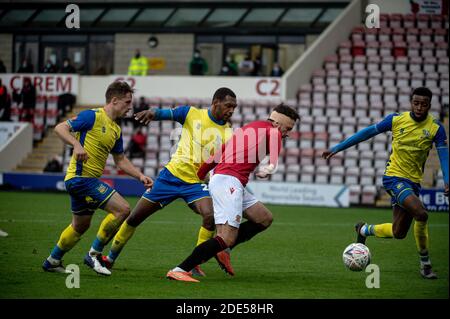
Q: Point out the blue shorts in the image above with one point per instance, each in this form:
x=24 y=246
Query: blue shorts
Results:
x=167 y=188
x=399 y=188
x=87 y=194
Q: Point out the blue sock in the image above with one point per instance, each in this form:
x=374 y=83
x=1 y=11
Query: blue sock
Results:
x=113 y=255
x=57 y=253
x=368 y=230
x=98 y=245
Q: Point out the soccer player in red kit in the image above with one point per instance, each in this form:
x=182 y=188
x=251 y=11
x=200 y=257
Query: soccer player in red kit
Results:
x=233 y=165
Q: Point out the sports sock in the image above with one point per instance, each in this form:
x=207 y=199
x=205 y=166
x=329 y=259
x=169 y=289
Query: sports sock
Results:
x=204 y=235
x=106 y=231
x=203 y=252
x=68 y=239
x=123 y=235
x=421 y=236
x=380 y=230
x=247 y=231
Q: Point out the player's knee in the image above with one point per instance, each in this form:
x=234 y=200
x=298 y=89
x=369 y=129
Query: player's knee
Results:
x=422 y=216
x=81 y=227
x=124 y=211
x=229 y=240
x=399 y=234
x=208 y=222
x=267 y=221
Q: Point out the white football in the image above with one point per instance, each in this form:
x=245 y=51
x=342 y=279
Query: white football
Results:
x=356 y=256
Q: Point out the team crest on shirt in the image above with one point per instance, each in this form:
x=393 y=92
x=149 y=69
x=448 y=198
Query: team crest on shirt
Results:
x=402 y=130
x=232 y=190
x=101 y=189
x=238 y=218
x=426 y=133
x=103 y=129
x=399 y=185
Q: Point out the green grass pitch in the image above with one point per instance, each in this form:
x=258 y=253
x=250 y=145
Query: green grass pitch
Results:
x=300 y=256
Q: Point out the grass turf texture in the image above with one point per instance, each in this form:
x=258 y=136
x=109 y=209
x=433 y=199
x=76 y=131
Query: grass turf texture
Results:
x=299 y=256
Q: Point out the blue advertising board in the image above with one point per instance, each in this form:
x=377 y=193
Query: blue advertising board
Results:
x=434 y=200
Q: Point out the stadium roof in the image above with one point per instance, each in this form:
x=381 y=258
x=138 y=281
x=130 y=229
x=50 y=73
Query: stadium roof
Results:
x=236 y=17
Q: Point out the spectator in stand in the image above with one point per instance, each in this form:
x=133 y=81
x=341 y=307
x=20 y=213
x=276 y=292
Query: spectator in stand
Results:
x=276 y=70
x=54 y=165
x=2 y=67
x=136 y=147
x=138 y=65
x=68 y=67
x=50 y=67
x=28 y=99
x=246 y=66
x=257 y=66
x=232 y=65
x=5 y=103
x=26 y=67
x=198 y=65
x=225 y=70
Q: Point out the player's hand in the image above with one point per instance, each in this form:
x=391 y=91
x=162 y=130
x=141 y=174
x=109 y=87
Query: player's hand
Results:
x=144 y=117
x=265 y=171
x=80 y=153
x=147 y=181
x=446 y=190
x=327 y=154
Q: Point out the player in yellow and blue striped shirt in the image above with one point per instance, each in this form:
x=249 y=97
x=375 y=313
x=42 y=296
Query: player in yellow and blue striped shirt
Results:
x=203 y=131
x=413 y=135
x=97 y=135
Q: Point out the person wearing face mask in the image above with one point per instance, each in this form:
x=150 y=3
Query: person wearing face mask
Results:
x=276 y=70
x=68 y=67
x=25 y=67
x=138 y=65
x=232 y=65
x=198 y=65
x=50 y=67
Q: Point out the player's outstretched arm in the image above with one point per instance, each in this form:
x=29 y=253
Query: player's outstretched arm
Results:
x=145 y=117
x=125 y=165
x=179 y=114
x=63 y=131
x=361 y=136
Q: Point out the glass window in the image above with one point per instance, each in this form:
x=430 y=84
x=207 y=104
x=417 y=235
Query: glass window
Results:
x=299 y=17
x=329 y=16
x=48 y=17
x=101 y=58
x=261 y=17
x=87 y=16
x=26 y=51
x=16 y=17
x=152 y=17
x=187 y=17
x=224 y=17
x=117 y=17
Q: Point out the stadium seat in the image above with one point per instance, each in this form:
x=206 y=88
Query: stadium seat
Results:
x=368 y=194
x=355 y=194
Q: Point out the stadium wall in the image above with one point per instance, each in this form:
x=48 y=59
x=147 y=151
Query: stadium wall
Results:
x=92 y=88
x=300 y=73
x=175 y=49
x=17 y=147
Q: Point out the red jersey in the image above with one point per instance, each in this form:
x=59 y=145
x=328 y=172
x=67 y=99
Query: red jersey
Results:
x=245 y=150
